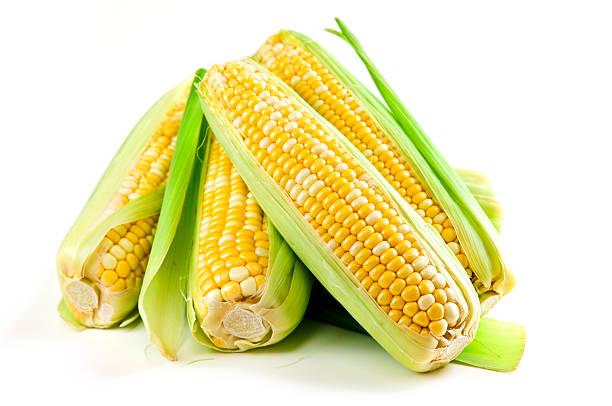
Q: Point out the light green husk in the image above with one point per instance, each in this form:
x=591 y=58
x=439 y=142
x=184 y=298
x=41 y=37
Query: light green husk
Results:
x=263 y=320
x=412 y=350
x=498 y=345
x=162 y=301
x=480 y=187
x=85 y=302
x=474 y=230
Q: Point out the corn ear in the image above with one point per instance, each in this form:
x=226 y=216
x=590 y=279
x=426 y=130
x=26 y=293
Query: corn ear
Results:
x=418 y=352
x=162 y=297
x=472 y=229
x=498 y=345
x=261 y=317
x=495 y=279
x=89 y=297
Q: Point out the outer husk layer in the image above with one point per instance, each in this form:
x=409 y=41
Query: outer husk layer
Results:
x=162 y=298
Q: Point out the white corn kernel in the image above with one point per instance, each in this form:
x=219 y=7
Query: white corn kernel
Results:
x=341 y=167
x=380 y=248
x=317 y=149
x=238 y=273
x=353 y=194
x=117 y=252
x=295 y=191
x=289 y=144
x=294 y=116
x=309 y=74
x=360 y=201
x=332 y=244
x=108 y=261
x=264 y=143
x=428 y=272
x=451 y=313
x=439 y=281
x=403 y=228
x=268 y=127
x=248 y=287
x=426 y=301
x=312 y=178
x=226 y=238
x=213 y=296
x=314 y=189
x=292 y=125
x=301 y=176
x=420 y=262
x=373 y=217
x=260 y=106
x=301 y=198
x=355 y=248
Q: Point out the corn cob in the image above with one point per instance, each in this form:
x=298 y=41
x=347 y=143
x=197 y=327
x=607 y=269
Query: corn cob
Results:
x=320 y=80
x=247 y=288
x=370 y=249
x=102 y=259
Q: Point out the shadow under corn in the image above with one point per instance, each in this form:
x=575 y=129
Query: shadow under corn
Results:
x=316 y=354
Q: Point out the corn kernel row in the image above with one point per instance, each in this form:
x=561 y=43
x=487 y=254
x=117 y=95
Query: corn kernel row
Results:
x=233 y=240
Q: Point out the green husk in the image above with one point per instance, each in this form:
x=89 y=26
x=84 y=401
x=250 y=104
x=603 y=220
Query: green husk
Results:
x=498 y=345
x=412 y=350
x=476 y=232
x=90 y=304
x=478 y=241
x=480 y=187
x=161 y=302
x=272 y=314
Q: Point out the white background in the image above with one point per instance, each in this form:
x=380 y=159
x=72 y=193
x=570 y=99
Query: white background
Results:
x=519 y=90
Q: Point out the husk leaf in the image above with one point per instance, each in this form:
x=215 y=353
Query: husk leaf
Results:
x=161 y=302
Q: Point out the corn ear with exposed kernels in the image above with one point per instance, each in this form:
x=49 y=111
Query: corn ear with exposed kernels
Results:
x=247 y=288
x=356 y=234
x=102 y=260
